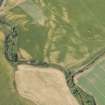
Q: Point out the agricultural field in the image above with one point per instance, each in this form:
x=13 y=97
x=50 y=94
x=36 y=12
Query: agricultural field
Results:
x=66 y=33
x=42 y=81
x=59 y=32
x=8 y=95
x=93 y=82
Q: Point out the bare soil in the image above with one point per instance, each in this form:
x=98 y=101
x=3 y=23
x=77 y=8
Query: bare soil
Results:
x=43 y=86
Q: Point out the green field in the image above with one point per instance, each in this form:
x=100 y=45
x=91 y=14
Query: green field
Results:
x=94 y=82
x=63 y=32
x=8 y=95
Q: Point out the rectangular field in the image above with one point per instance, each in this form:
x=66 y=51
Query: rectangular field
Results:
x=94 y=82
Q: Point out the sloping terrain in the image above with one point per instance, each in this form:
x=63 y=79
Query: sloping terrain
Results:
x=62 y=32
x=65 y=33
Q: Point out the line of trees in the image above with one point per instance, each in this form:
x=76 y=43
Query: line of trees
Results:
x=10 y=45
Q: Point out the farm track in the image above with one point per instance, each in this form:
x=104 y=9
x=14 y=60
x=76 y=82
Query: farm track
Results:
x=90 y=63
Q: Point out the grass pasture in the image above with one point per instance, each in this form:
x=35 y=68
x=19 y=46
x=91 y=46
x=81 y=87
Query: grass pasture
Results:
x=93 y=82
x=63 y=32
